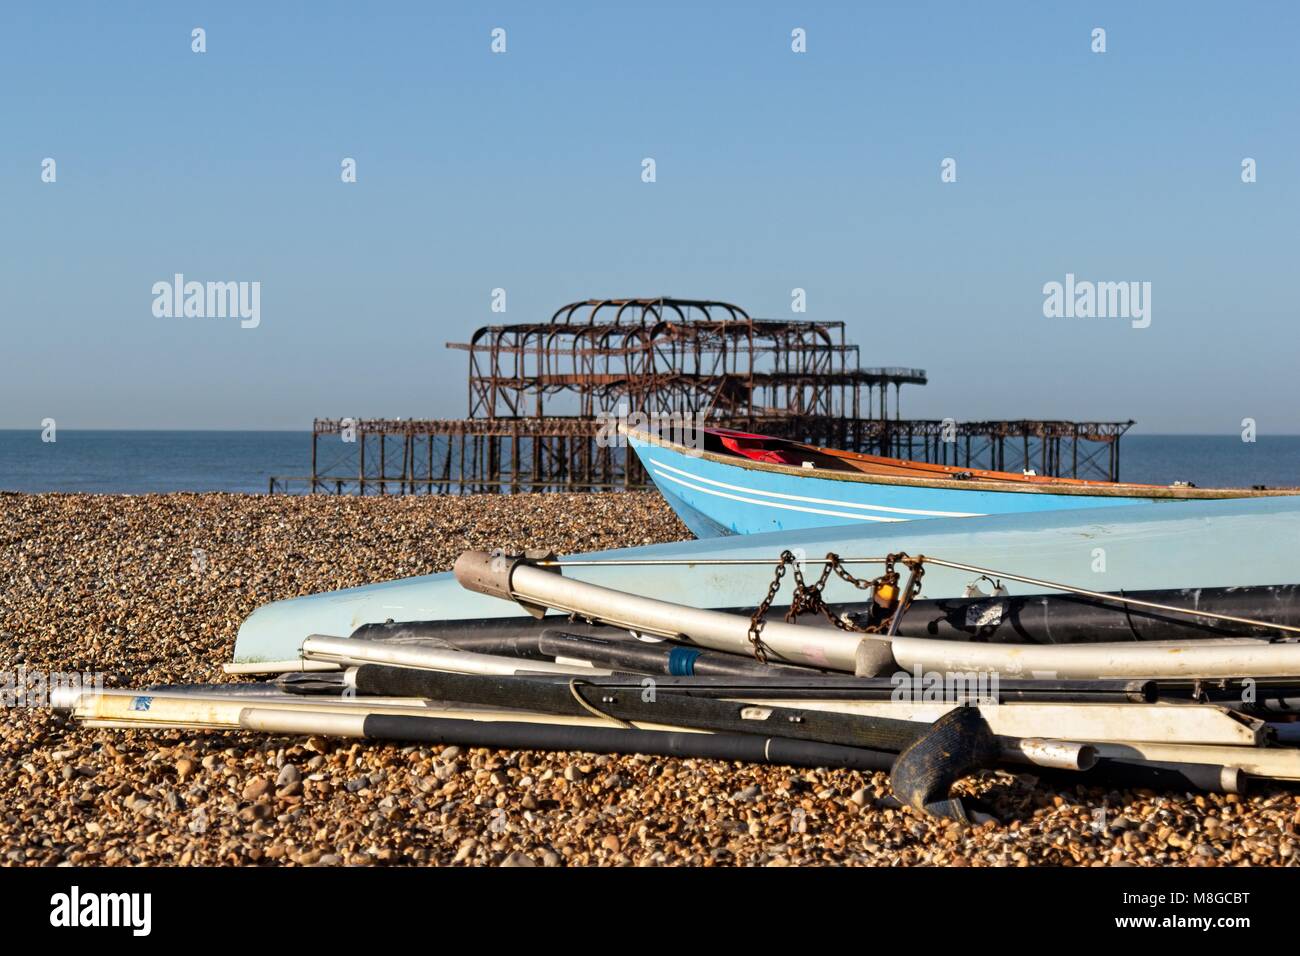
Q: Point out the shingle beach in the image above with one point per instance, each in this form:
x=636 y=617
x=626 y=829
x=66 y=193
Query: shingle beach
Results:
x=152 y=589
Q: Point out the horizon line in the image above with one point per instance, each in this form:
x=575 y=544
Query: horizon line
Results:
x=308 y=431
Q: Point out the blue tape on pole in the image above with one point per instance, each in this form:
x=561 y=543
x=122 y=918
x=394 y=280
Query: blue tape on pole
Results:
x=681 y=661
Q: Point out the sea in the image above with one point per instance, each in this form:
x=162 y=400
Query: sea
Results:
x=142 y=462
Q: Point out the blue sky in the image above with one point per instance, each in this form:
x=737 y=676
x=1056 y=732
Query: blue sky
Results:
x=775 y=170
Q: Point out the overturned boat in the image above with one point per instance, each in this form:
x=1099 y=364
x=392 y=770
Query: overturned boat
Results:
x=1205 y=544
x=739 y=483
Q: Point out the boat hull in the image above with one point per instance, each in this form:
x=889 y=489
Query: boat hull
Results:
x=715 y=497
x=1197 y=544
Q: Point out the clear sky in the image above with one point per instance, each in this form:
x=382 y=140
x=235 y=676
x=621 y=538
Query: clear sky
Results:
x=775 y=170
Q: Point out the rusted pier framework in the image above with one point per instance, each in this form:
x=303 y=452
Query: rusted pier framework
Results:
x=665 y=356
x=541 y=396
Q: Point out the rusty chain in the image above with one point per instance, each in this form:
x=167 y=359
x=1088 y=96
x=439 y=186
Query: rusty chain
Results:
x=759 y=617
x=807 y=598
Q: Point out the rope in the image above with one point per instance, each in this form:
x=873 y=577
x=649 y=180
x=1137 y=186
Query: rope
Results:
x=837 y=563
x=591 y=708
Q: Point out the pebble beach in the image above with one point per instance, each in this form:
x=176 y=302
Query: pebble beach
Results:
x=152 y=588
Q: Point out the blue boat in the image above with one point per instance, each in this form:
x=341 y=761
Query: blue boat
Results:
x=737 y=483
x=1142 y=547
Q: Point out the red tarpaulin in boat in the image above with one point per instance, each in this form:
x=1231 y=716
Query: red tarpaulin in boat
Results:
x=754 y=448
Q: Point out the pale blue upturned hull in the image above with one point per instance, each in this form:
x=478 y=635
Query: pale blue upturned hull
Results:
x=717 y=497
x=1193 y=544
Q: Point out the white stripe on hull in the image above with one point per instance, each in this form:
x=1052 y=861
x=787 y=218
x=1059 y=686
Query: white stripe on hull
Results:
x=772 y=504
x=815 y=501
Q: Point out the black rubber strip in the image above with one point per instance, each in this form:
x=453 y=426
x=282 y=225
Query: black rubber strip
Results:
x=509 y=735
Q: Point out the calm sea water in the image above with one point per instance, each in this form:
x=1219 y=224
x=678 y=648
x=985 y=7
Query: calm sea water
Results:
x=154 y=461
x=159 y=461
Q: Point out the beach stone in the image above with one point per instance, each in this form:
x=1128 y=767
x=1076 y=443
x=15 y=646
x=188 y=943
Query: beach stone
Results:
x=288 y=774
x=256 y=788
